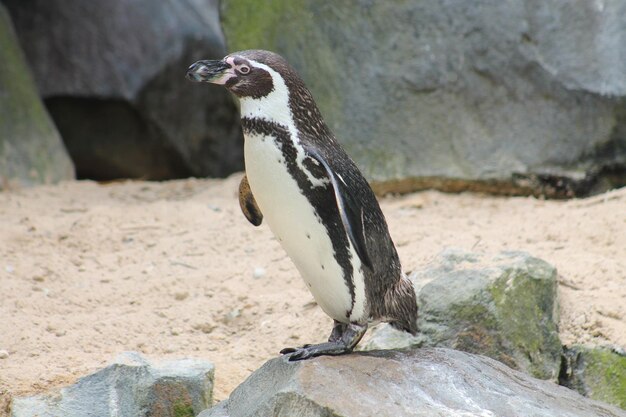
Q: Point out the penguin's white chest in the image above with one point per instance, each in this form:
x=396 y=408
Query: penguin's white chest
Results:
x=301 y=233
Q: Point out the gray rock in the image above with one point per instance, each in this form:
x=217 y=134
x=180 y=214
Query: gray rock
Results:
x=508 y=96
x=426 y=382
x=31 y=150
x=504 y=307
x=130 y=387
x=113 y=78
x=596 y=372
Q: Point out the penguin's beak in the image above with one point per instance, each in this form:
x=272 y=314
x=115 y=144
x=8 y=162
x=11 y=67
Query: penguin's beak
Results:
x=216 y=72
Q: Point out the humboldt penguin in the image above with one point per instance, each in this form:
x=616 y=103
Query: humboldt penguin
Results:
x=301 y=182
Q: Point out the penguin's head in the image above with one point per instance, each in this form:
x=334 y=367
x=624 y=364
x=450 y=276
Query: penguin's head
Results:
x=245 y=73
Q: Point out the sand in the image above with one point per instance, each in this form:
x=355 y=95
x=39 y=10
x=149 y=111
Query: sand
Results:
x=174 y=270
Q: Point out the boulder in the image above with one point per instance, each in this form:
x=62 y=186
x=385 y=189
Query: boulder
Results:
x=596 y=372
x=501 y=306
x=129 y=387
x=424 y=382
x=512 y=97
x=113 y=78
x=31 y=149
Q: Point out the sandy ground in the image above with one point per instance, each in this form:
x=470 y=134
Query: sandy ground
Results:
x=174 y=270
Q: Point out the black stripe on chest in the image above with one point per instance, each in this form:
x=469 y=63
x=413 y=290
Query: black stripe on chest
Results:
x=322 y=197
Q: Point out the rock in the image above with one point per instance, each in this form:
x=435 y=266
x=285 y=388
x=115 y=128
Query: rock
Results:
x=598 y=373
x=31 y=150
x=424 y=382
x=130 y=387
x=512 y=97
x=258 y=272
x=503 y=307
x=113 y=78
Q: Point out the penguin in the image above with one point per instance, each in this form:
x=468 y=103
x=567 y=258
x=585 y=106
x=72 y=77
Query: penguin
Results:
x=300 y=181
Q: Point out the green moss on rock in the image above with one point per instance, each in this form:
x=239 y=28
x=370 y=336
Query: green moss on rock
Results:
x=606 y=376
x=251 y=24
x=183 y=409
x=596 y=372
x=524 y=297
x=31 y=150
x=298 y=31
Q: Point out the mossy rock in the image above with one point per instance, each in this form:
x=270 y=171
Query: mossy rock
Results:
x=31 y=149
x=130 y=386
x=504 y=307
x=596 y=372
x=469 y=95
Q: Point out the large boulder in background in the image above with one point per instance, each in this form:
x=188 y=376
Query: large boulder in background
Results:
x=504 y=96
x=503 y=306
x=426 y=382
x=113 y=77
x=31 y=150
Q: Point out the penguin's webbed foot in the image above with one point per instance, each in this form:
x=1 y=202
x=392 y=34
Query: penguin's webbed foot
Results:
x=311 y=351
x=343 y=339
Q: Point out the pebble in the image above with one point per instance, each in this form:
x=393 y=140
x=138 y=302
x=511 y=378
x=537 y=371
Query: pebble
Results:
x=258 y=272
x=4 y=354
x=230 y=316
x=180 y=296
x=214 y=207
x=205 y=327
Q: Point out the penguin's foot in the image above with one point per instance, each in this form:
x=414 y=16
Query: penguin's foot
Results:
x=342 y=340
x=311 y=351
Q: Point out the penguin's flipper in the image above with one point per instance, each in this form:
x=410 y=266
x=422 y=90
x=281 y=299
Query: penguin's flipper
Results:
x=248 y=203
x=350 y=209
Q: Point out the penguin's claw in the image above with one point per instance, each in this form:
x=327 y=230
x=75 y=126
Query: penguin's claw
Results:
x=299 y=354
x=292 y=350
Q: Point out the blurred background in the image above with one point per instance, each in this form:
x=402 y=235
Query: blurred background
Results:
x=503 y=96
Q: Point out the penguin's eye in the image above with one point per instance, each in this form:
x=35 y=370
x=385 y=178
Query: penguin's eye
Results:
x=244 y=69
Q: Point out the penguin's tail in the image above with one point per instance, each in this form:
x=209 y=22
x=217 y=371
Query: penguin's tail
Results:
x=401 y=306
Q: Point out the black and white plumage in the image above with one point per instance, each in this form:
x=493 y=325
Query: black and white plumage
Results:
x=301 y=182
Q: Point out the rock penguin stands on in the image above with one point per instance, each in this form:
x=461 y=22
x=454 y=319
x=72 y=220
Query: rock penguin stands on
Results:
x=314 y=199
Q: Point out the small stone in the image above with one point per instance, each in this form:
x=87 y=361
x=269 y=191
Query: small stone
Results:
x=258 y=273
x=9 y=268
x=205 y=327
x=4 y=354
x=232 y=315
x=180 y=296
